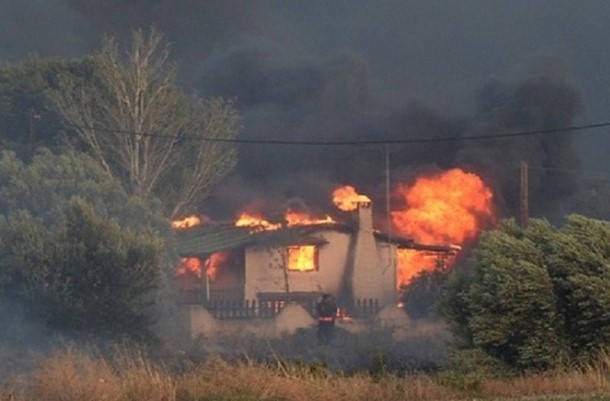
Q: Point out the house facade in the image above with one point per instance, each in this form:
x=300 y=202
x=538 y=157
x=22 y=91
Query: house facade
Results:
x=263 y=270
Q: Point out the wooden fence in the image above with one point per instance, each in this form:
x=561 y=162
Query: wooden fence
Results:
x=266 y=309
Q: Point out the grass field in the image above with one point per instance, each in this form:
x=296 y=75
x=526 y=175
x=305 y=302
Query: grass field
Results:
x=74 y=375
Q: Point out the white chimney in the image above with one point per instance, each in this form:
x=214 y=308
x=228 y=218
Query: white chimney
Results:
x=367 y=271
x=365 y=215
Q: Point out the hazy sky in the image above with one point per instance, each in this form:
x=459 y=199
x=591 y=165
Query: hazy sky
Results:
x=310 y=69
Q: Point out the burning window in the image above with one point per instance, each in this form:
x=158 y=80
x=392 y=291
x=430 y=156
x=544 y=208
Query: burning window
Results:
x=303 y=258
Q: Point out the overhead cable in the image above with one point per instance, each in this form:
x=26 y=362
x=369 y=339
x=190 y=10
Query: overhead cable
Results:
x=479 y=137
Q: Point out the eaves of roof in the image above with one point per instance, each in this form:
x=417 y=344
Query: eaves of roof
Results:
x=203 y=240
x=407 y=243
x=206 y=239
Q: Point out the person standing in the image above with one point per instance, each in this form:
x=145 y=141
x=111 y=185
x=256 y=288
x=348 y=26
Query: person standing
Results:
x=326 y=310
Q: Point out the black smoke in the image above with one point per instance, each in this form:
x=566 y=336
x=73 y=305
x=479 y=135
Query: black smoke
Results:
x=344 y=71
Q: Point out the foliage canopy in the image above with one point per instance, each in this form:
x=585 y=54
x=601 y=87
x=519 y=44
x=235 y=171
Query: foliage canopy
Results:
x=67 y=256
x=535 y=297
x=131 y=117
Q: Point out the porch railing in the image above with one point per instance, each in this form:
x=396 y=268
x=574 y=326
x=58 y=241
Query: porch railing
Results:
x=228 y=308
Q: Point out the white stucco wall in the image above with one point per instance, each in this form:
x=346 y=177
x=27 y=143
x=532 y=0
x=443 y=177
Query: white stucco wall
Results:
x=265 y=268
x=374 y=269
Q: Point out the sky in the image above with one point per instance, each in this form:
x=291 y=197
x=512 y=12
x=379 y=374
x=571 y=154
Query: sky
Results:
x=355 y=69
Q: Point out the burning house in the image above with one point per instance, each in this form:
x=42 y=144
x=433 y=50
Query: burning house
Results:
x=253 y=268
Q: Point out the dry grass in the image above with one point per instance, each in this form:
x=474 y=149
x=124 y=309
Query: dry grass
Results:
x=298 y=383
x=82 y=376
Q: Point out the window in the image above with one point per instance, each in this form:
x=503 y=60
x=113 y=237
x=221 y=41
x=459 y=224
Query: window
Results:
x=303 y=258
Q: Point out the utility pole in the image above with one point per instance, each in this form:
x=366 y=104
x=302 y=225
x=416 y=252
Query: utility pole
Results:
x=524 y=196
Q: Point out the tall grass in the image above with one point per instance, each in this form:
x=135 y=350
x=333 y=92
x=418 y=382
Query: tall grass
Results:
x=76 y=375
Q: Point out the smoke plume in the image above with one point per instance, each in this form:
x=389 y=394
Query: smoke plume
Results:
x=320 y=71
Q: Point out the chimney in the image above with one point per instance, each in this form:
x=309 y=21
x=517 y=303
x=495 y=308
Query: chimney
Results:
x=367 y=271
x=365 y=214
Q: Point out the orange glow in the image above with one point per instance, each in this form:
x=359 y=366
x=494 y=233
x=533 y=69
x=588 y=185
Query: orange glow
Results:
x=291 y=217
x=214 y=262
x=294 y=218
x=346 y=198
x=447 y=208
x=190 y=266
x=194 y=266
x=188 y=221
x=411 y=262
x=302 y=258
x=256 y=222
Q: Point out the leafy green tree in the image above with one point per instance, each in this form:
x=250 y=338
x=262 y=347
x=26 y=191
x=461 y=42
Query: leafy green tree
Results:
x=87 y=275
x=28 y=118
x=536 y=296
x=421 y=296
x=512 y=304
x=133 y=119
x=77 y=252
x=579 y=264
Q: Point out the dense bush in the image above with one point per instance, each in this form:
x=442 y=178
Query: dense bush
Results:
x=421 y=296
x=77 y=254
x=535 y=297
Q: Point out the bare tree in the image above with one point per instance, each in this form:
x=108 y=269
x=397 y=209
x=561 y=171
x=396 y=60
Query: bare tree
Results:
x=134 y=120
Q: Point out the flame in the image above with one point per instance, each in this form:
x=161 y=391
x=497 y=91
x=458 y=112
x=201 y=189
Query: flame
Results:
x=346 y=198
x=411 y=262
x=194 y=266
x=448 y=208
x=190 y=266
x=291 y=217
x=294 y=218
x=302 y=258
x=258 y=223
x=214 y=262
x=188 y=221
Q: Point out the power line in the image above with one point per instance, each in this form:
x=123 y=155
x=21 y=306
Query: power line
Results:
x=505 y=135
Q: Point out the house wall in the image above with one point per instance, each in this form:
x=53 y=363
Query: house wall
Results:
x=364 y=263
x=265 y=268
x=380 y=282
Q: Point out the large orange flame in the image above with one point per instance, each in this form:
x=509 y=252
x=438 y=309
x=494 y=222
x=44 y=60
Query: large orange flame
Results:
x=447 y=208
x=346 y=198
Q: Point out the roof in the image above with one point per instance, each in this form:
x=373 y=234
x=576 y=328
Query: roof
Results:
x=206 y=239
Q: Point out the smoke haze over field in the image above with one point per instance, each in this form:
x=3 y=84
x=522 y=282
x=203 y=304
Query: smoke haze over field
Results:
x=358 y=70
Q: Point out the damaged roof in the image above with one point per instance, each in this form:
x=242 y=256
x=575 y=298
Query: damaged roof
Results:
x=200 y=241
x=206 y=239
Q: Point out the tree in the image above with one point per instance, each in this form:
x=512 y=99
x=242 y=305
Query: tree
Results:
x=421 y=296
x=134 y=120
x=512 y=303
x=28 y=119
x=579 y=264
x=68 y=257
x=536 y=296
